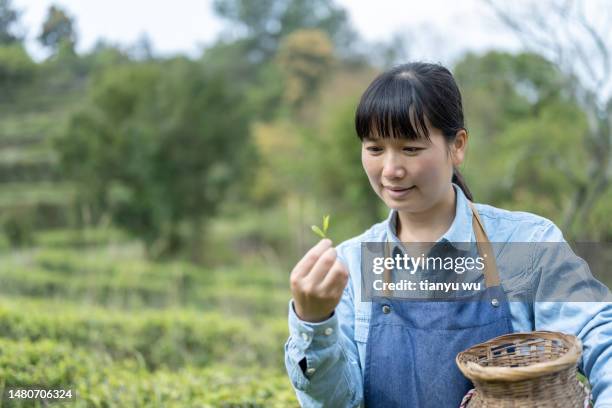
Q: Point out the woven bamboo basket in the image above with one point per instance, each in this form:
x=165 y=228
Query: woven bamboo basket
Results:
x=534 y=369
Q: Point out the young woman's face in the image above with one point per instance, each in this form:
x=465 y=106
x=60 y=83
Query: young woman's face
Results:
x=410 y=176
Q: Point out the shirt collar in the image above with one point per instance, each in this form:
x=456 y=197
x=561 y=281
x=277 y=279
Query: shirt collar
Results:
x=460 y=230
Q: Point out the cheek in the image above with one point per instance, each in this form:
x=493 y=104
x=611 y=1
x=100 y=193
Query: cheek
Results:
x=368 y=165
x=371 y=168
x=431 y=169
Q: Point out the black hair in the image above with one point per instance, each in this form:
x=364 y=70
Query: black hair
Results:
x=400 y=101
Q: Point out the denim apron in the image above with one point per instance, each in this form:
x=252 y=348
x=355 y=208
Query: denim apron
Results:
x=412 y=345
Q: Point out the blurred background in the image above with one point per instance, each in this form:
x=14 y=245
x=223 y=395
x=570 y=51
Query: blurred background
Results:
x=161 y=166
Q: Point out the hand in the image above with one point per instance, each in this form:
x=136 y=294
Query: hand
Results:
x=317 y=283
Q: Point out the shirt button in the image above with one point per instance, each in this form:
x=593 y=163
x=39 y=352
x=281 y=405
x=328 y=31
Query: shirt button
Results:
x=495 y=302
x=386 y=309
x=305 y=336
x=328 y=331
x=311 y=371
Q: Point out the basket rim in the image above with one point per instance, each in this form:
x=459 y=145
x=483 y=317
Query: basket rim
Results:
x=476 y=372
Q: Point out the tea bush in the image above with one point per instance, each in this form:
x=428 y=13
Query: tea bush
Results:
x=96 y=380
x=122 y=331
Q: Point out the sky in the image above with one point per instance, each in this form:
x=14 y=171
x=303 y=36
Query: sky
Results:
x=186 y=26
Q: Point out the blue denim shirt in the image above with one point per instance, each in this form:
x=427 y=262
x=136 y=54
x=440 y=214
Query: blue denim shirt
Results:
x=334 y=349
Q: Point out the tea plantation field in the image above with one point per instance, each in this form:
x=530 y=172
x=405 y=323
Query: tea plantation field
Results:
x=91 y=314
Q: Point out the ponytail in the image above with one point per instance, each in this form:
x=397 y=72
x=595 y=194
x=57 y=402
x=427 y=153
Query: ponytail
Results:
x=460 y=181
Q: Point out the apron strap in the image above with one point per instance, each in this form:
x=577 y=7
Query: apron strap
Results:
x=484 y=249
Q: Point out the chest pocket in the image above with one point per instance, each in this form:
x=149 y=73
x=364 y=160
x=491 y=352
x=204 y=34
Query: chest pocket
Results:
x=517 y=273
x=362 y=327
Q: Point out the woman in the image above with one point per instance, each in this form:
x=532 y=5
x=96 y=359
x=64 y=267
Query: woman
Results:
x=344 y=350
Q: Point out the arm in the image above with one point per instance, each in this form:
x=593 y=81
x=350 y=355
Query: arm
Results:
x=569 y=299
x=331 y=376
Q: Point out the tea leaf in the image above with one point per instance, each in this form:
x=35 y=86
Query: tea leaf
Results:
x=325 y=223
x=318 y=231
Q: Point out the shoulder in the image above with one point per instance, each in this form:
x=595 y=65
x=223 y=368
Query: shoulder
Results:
x=519 y=226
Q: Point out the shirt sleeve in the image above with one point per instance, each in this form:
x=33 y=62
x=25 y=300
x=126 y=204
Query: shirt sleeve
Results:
x=332 y=376
x=586 y=311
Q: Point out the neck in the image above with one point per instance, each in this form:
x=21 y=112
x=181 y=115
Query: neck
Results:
x=429 y=225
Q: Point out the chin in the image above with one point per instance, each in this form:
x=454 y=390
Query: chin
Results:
x=394 y=205
x=407 y=207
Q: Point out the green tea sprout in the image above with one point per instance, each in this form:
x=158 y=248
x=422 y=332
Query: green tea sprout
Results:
x=318 y=231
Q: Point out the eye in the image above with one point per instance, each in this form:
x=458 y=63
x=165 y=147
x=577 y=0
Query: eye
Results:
x=412 y=150
x=374 y=149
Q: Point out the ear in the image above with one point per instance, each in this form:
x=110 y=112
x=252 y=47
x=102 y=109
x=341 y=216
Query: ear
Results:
x=458 y=147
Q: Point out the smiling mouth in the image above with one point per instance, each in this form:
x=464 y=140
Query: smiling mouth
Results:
x=399 y=189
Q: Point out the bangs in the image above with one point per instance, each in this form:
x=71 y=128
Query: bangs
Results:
x=391 y=108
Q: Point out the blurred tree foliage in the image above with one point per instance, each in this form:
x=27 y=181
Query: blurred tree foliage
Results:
x=576 y=42
x=9 y=18
x=126 y=150
x=281 y=52
x=529 y=136
x=104 y=56
x=340 y=172
x=58 y=31
x=305 y=57
x=157 y=148
x=263 y=24
x=16 y=66
x=258 y=135
x=249 y=50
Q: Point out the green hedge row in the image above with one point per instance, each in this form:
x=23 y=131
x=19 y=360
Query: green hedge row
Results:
x=167 y=338
x=99 y=381
x=120 y=279
x=123 y=331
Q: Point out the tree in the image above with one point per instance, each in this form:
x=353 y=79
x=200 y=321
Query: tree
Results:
x=258 y=28
x=142 y=50
x=8 y=20
x=158 y=148
x=104 y=55
x=263 y=24
x=576 y=40
x=58 y=31
x=305 y=57
x=339 y=172
x=16 y=67
x=529 y=134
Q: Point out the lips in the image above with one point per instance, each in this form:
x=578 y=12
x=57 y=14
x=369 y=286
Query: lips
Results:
x=392 y=188
x=398 y=193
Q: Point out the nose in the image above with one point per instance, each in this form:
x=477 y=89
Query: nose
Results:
x=393 y=167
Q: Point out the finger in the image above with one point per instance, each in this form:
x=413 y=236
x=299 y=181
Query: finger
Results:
x=310 y=258
x=322 y=266
x=336 y=279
